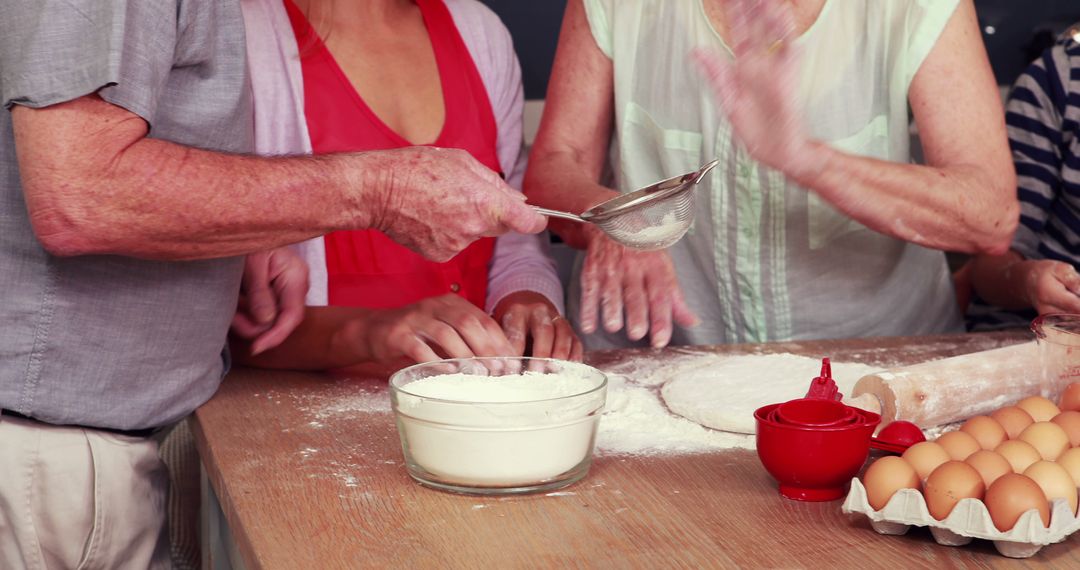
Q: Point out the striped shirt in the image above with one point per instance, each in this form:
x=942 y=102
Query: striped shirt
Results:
x=1043 y=118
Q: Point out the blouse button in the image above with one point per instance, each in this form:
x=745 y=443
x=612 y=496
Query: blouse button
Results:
x=454 y=287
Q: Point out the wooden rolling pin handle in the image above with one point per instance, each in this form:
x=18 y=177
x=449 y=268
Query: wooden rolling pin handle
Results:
x=868 y=402
x=953 y=389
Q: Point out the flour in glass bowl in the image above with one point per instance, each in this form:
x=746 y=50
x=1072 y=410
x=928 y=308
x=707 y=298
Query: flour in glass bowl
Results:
x=526 y=387
x=515 y=430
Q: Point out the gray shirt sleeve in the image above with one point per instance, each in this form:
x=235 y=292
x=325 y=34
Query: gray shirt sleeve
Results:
x=56 y=51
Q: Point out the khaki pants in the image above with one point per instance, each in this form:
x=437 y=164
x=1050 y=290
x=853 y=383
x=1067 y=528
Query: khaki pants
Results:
x=79 y=498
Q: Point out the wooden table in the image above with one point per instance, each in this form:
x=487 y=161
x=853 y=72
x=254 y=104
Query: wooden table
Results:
x=309 y=476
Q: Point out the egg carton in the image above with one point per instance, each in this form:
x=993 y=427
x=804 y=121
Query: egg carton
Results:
x=968 y=520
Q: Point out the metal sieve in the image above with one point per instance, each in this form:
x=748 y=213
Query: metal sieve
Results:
x=654 y=217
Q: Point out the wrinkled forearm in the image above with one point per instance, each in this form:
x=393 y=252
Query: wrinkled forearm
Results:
x=95 y=184
x=571 y=145
x=957 y=208
x=164 y=201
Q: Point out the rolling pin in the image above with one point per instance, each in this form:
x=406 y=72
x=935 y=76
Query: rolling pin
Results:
x=953 y=389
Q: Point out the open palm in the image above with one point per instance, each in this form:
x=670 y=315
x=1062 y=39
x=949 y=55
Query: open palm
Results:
x=754 y=90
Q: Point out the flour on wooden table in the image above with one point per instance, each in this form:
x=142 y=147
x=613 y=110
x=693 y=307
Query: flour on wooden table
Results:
x=722 y=392
x=635 y=422
x=358 y=401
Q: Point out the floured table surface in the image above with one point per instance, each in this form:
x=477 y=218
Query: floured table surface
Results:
x=309 y=473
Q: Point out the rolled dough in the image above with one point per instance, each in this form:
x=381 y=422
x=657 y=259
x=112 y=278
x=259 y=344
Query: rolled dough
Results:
x=722 y=392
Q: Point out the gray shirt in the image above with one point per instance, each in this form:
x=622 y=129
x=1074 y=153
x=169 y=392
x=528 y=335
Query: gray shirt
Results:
x=111 y=341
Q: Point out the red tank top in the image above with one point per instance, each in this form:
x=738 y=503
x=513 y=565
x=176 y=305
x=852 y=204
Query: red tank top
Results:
x=366 y=268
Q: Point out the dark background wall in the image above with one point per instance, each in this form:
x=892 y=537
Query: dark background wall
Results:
x=1014 y=30
x=535 y=27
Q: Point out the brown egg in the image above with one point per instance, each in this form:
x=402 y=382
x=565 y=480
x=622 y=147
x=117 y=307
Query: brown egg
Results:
x=985 y=430
x=1019 y=454
x=959 y=445
x=885 y=477
x=1013 y=495
x=1040 y=409
x=1047 y=438
x=1054 y=480
x=989 y=464
x=1070 y=398
x=948 y=484
x=925 y=456
x=1070 y=460
x=1070 y=422
x=1013 y=419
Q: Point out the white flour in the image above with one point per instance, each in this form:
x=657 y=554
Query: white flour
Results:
x=527 y=387
x=635 y=420
x=660 y=233
x=514 y=430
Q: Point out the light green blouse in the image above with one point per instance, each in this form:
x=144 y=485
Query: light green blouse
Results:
x=766 y=260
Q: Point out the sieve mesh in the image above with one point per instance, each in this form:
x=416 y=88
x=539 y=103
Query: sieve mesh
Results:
x=655 y=225
x=654 y=217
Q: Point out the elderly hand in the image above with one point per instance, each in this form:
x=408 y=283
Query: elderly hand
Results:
x=271 y=303
x=527 y=316
x=438 y=201
x=755 y=89
x=1051 y=286
x=431 y=329
x=642 y=283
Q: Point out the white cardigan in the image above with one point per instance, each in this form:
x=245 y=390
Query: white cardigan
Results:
x=520 y=262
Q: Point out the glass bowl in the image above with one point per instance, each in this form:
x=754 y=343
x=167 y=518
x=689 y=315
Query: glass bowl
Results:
x=509 y=425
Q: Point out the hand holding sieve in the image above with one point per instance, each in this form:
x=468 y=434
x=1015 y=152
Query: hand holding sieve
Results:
x=654 y=217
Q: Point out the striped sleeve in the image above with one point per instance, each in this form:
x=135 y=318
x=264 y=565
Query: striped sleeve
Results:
x=1035 y=115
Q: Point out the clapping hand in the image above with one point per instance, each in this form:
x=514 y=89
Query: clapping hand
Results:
x=755 y=89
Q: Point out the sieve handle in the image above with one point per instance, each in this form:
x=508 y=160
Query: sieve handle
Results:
x=558 y=214
x=704 y=170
